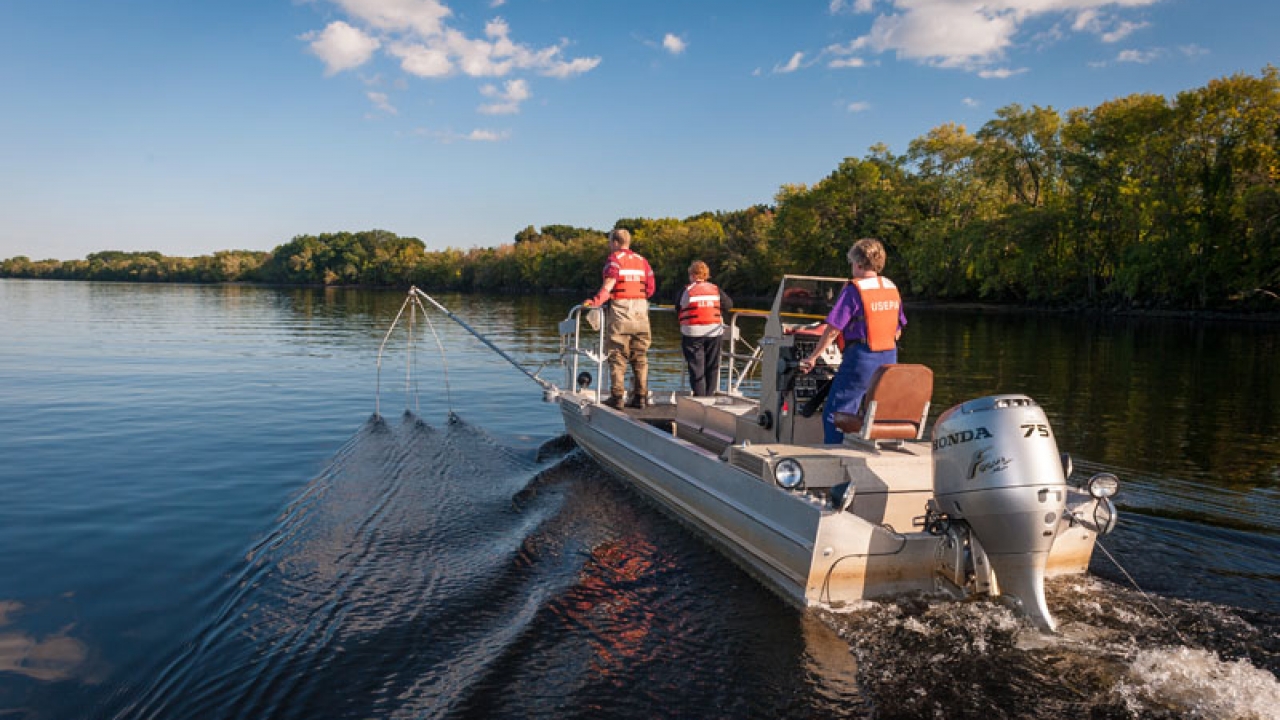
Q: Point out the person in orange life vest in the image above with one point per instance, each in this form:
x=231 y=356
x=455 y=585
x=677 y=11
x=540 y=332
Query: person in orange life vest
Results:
x=869 y=314
x=628 y=285
x=701 y=310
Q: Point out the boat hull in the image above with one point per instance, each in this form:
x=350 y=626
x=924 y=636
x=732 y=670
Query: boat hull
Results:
x=799 y=545
x=739 y=514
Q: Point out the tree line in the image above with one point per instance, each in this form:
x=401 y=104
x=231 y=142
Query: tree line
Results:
x=1141 y=201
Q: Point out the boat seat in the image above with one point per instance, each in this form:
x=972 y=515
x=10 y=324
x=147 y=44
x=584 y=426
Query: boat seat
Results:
x=896 y=405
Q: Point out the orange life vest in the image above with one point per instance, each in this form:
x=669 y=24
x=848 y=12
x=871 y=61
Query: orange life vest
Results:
x=880 y=306
x=632 y=270
x=704 y=305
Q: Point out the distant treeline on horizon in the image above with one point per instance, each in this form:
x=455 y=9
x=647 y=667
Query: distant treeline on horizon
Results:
x=1141 y=201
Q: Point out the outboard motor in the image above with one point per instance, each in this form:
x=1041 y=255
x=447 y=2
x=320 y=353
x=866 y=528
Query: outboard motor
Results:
x=996 y=467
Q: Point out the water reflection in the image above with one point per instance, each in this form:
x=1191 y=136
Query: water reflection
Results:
x=48 y=658
x=1194 y=400
x=616 y=620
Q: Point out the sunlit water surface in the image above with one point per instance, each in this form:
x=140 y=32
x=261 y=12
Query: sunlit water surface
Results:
x=203 y=517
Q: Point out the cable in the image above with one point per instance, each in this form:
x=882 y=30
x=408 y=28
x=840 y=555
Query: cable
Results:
x=1142 y=592
x=825 y=591
x=444 y=360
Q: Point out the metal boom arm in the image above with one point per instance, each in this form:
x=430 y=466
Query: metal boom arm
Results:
x=544 y=384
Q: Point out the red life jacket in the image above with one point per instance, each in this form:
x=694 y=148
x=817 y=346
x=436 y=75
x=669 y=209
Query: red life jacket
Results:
x=704 y=305
x=880 y=306
x=632 y=270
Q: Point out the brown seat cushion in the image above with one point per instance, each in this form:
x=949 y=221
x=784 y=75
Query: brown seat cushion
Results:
x=900 y=392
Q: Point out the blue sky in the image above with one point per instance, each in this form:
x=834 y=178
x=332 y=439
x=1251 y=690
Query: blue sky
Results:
x=190 y=126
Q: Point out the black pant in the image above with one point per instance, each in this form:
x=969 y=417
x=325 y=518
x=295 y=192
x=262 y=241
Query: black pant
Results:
x=703 y=356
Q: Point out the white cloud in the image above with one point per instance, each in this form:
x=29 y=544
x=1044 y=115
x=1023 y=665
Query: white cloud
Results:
x=1192 y=50
x=1108 y=28
x=950 y=35
x=673 y=44
x=341 y=47
x=421 y=17
x=422 y=61
x=975 y=35
x=835 y=7
x=450 y=136
x=1121 y=31
x=497 y=3
x=857 y=107
x=381 y=102
x=1141 y=57
x=847 y=56
x=849 y=62
x=416 y=33
x=1086 y=21
x=479 y=135
x=507 y=99
x=970 y=102
x=1000 y=73
x=792 y=65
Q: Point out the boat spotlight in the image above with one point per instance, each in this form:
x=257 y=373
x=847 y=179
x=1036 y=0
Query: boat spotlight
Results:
x=1103 y=485
x=584 y=380
x=788 y=474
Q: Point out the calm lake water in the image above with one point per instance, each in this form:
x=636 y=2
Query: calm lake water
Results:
x=201 y=517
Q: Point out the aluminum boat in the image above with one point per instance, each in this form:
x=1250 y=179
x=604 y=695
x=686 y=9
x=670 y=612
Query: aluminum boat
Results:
x=975 y=504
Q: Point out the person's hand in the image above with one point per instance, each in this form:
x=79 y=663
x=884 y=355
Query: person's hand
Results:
x=586 y=303
x=806 y=365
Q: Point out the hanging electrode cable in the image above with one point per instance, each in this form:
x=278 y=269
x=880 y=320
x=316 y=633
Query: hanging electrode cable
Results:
x=408 y=362
x=1142 y=592
x=414 y=304
x=444 y=359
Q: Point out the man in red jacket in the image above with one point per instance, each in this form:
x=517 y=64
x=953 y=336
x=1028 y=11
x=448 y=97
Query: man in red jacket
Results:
x=628 y=285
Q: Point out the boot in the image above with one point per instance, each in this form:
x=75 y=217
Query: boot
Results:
x=640 y=386
x=614 y=401
x=639 y=399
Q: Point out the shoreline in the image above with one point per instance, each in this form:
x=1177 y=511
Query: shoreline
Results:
x=1251 y=316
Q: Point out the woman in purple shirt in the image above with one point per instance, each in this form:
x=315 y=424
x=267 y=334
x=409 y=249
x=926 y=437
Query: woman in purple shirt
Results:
x=867 y=297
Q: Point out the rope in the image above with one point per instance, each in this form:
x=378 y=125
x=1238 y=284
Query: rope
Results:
x=410 y=384
x=377 y=392
x=444 y=361
x=409 y=388
x=1142 y=592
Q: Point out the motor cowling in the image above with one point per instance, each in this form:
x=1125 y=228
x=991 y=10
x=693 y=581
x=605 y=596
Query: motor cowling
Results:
x=996 y=467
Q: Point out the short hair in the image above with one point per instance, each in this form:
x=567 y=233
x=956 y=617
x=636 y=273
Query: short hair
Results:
x=698 y=270
x=621 y=235
x=869 y=253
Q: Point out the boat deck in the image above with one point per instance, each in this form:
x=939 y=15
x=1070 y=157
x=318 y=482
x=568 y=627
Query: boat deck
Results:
x=662 y=414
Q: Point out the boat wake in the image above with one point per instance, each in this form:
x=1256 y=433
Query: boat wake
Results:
x=443 y=572
x=1118 y=654
x=387 y=587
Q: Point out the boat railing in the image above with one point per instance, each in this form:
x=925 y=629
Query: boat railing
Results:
x=577 y=358
x=740 y=359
